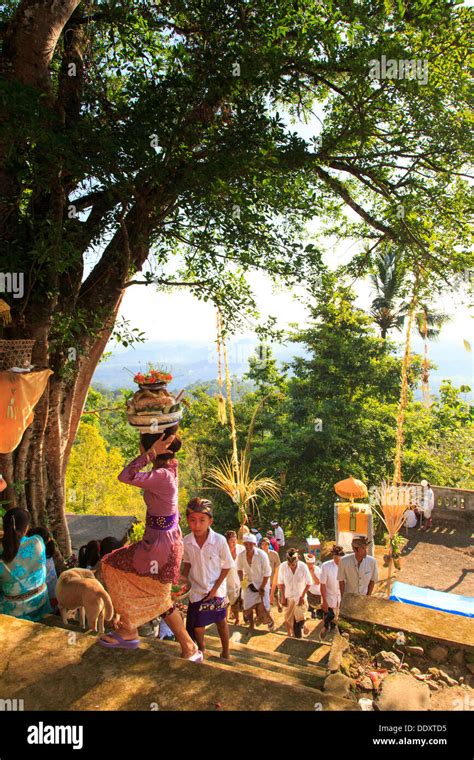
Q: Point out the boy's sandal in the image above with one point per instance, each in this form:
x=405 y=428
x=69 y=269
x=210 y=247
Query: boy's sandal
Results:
x=119 y=643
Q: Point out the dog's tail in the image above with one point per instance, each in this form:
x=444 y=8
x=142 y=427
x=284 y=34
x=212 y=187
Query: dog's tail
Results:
x=108 y=606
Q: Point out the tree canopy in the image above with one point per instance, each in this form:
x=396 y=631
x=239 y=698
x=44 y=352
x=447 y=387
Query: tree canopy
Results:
x=185 y=143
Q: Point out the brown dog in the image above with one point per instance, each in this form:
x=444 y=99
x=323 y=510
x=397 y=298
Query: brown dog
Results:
x=78 y=589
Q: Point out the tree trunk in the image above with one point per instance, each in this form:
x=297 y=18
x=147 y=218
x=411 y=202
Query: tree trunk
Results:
x=38 y=466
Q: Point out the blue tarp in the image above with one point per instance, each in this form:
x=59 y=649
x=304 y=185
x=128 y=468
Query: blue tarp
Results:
x=435 y=600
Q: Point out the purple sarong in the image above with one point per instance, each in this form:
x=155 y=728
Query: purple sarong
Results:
x=203 y=613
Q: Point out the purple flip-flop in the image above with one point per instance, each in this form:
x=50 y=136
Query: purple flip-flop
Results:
x=120 y=643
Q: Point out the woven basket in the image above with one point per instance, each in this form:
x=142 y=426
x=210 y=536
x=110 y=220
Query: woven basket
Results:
x=15 y=353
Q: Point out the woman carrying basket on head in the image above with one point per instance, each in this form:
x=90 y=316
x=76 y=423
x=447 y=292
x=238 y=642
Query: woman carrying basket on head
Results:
x=139 y=577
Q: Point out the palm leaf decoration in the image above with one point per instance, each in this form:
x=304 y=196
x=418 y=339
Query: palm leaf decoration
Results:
x=243 y=488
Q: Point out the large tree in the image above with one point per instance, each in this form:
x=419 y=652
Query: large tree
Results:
x=136 y=134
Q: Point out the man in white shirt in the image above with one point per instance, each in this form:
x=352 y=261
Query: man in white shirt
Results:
x=294 y=580
x=330 y=591
x=207 y=561
x=257 y=535
x=254 y=564
x=428 y=506
x=279 y=534
x=314 y=591
x=358 y=573
x=275 y=563
x=234 y=587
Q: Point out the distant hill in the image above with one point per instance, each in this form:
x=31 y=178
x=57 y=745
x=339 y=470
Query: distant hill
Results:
x=192 y=363
x=189 y=363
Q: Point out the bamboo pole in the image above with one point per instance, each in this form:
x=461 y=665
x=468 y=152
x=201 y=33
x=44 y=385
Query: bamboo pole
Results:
x=397 y=474
x=233 y=431
x=389 y=577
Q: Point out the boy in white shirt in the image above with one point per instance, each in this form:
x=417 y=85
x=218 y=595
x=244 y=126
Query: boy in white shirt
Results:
x=428 y=506
x=207 y=561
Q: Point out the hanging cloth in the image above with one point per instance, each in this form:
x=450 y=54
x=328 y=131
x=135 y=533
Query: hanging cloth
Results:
x=349 y=520
x=19 y=394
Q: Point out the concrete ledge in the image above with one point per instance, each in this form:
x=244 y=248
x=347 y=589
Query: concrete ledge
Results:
x=453 y=630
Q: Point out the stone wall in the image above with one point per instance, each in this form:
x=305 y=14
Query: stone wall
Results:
x=452 y=502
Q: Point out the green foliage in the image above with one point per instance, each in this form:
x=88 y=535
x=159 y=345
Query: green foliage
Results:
x=137 y=532
x=440 y=443
x=349 y=381
x=91 y=478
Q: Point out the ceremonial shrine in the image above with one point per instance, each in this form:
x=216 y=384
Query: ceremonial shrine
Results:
x=352 y=519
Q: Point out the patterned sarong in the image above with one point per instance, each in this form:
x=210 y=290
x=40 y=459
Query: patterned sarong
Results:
x=137 y=598
x=203 y=613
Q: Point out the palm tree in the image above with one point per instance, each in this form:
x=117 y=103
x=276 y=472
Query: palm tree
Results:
x=429 y=324
x=387 y=309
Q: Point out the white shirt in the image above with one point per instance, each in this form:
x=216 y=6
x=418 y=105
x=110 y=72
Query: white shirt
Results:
x=257 y=570
x=315 y=588
x=280 y=536
x=206 y=564
x=428 y=502
x=328 y=577
x=357 y=577
x=410 y=518
x=233 y=580
x=294 y=582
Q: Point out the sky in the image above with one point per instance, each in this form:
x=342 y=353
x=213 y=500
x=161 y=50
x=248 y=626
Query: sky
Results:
x=195 y=321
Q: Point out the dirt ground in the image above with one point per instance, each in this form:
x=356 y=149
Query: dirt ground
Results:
x=441 y=558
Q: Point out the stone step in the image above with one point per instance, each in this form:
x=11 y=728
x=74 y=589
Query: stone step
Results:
x=263 y=643
x=275 y=668
x=307 y=650
x=311 y=671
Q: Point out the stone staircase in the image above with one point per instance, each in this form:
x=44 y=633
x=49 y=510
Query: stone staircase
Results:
x=262 y=655
x=57 y=667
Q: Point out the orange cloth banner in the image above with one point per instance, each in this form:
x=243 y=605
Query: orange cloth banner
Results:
x=19 y=394
x=352 y=521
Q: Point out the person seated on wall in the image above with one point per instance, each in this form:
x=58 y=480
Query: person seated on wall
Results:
x=411 y=520
x=51 y=574
x=23 y=588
